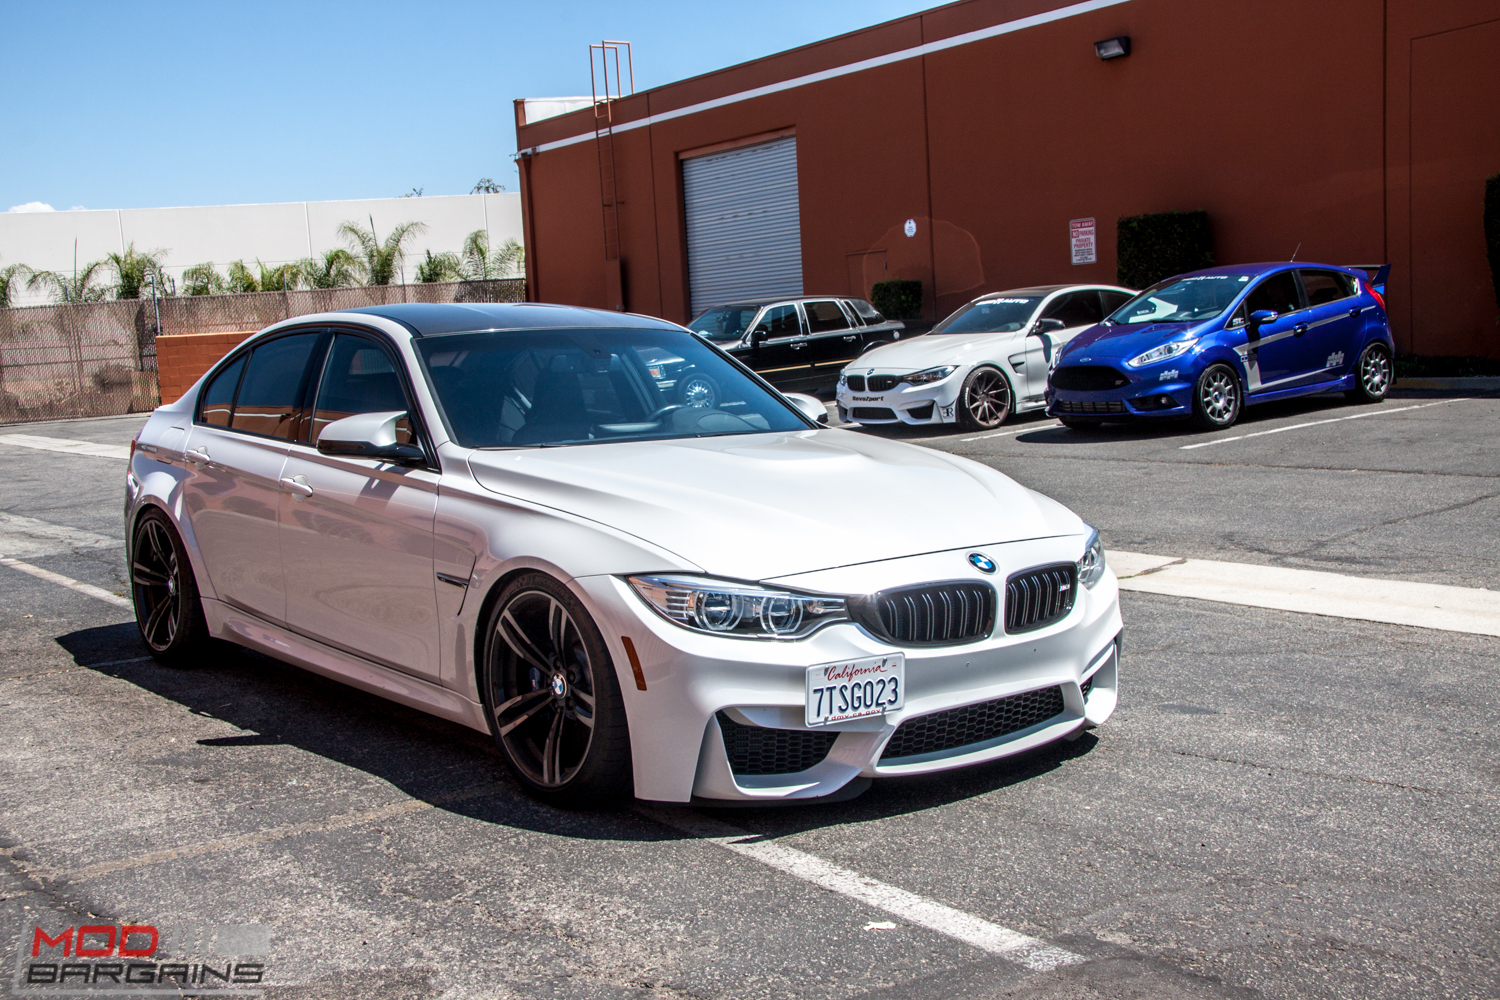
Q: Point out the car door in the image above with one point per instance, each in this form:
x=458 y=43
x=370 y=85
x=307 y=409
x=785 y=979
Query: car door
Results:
x=1276 y=359
x=247 y=416
x=834 y=337
x=1076 y=311
x=356 y=533
x=1333 y=322
x=778 y=347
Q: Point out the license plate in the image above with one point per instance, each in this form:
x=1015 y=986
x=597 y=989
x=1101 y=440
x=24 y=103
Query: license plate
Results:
x=855 y=689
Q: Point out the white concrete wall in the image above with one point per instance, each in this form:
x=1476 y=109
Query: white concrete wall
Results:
x=275 y=234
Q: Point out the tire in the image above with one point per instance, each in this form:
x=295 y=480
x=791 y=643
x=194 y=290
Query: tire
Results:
x=1373 y=375
x=553 y=698
x=1080 y=423
x=986 y=399
x=698 y=390
x=1217 y=399
x=168 y=610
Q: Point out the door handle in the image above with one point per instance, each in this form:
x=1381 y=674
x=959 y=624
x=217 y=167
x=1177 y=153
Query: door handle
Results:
x=852 y=336
x=1299 y=329
x=297 y=486
x=798 y=345
x=1354 y=312
x=198 y=455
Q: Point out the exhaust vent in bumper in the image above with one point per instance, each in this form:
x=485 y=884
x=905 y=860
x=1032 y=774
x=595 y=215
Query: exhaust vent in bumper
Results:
x=961 y=727
x=757 y=750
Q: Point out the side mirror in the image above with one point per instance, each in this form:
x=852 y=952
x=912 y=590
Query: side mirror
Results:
x=1048 y=326
x=757 y=336
x=810 y=407
x=1263 y=316
x=369 y=435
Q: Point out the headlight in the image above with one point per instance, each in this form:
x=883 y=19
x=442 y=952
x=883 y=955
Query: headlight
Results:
x=1091 y=566
x=1162 y=353
x=746 y=611
x=930 y=375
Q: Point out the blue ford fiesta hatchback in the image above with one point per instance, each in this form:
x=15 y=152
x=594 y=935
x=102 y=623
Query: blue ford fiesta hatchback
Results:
x=1206 y=344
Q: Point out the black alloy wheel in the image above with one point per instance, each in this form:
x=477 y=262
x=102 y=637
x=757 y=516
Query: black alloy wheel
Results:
x=1216 y=398
x=1373 y=375
x=165 y=593
x=553 y=697
x=985 y=400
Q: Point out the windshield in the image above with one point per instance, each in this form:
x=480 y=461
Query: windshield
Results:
x=1005 y=314
x=1182 y=300
x=727 y=323
x=537 y=388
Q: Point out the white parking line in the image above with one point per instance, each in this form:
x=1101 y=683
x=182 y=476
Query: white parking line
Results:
x=66 y=581
x=67 y=446
x=1395 y=602
x=1018 y=430
x=1315 y=423
x=1031 y=952
x=28 y=538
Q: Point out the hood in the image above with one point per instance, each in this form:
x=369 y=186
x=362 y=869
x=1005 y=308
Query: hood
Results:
x=930 y=351
x=1111 y=343
x=758 y=506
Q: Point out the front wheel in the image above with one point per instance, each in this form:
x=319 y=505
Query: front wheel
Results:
x=985 y=399
x=1372 y=375
x=555 y=705
x=1216 y=398
x=168 y=610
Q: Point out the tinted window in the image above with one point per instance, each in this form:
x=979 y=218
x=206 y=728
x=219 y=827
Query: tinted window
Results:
x=825 y=316
x=780 y=321
x=1326 y=286
x=866 y=312
x=1113 y=300
x=359 y=378
x=1004 y=314
x=217 y=402
x=270 y=397
x=1076 y=309
x=1277 y=293
x=557 y=387
x=726 y=324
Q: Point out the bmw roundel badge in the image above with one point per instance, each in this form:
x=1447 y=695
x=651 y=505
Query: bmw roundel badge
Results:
x=982 y=562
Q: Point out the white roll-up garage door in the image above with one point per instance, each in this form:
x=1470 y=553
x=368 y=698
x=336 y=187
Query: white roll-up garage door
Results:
x=744 y=237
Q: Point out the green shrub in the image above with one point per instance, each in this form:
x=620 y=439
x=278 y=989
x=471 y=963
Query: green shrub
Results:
x=897 y=299
x=1492 y=230
x=1161 y=244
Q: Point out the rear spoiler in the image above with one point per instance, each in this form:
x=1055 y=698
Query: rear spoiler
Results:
x=1375 y=274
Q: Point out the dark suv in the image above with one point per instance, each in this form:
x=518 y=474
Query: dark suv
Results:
x=797 y=344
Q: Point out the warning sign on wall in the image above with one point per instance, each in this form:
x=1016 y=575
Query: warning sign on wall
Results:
x=1081 y=238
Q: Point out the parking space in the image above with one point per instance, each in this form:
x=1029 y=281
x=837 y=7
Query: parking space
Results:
x=1285 y=805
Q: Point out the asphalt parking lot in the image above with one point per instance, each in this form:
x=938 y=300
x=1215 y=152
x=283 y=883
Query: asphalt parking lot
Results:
x=1284 y=805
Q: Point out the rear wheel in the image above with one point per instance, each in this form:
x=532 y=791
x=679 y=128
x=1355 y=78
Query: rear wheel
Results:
x=985 y=399
x=555 y=704
x=168 y=610
x=1372 y=375
x=1216 y=398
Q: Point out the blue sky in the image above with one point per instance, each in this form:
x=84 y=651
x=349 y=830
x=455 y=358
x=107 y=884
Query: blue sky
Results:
x=155 y=104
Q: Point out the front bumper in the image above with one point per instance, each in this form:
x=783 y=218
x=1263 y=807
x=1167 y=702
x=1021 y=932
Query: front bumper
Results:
x=689 y=679
x=1165 y=393
x=918 y=405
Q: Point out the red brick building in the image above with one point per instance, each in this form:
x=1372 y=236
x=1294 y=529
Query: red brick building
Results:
x=1360 y=130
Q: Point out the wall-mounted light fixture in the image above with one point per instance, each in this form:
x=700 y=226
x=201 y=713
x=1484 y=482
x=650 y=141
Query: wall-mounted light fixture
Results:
x=1113 y=48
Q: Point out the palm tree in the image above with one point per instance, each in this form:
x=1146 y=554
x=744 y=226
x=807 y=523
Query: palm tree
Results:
x=84 y=285
x=10 y=279
x=132 y=270
x=203 y=279
x=282 y=278
x=379 y=260
x=337 y=268
x=480 y=263
x=439 y=267
x=241 y=278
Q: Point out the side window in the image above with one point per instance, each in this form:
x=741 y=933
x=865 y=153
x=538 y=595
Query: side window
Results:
x=1075 y=309
x=823 y=317
x=780 y=321
x=360 y=378
x=866 y=312
x=1113 y=300
x=275 y=382
x=1326 y=286
x=1277 y=293
x=217 y=403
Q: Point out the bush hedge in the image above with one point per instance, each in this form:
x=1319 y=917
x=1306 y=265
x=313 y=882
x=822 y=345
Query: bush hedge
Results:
x=1158 y=245
x=897 y=299
x=1492 y=230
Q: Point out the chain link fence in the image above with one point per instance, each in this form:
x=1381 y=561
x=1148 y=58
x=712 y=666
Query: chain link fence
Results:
x=98 y=359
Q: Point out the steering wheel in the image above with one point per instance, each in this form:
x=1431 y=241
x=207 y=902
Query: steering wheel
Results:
x=663 y=412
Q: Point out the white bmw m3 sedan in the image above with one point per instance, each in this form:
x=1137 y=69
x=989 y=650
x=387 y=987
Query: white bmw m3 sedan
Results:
x=498 y=514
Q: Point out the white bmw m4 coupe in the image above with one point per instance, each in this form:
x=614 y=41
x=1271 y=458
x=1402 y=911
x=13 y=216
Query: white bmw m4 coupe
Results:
x=504 y=515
